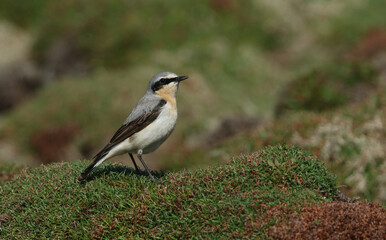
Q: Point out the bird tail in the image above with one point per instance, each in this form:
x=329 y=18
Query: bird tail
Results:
x=98 y=159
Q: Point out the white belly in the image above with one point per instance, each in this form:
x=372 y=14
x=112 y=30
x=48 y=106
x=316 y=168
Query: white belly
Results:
x=151 y=137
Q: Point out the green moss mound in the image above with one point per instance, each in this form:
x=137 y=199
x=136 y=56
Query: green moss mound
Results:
x=226 y=201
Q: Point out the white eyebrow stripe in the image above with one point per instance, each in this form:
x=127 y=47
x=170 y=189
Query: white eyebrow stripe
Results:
x=171 y=75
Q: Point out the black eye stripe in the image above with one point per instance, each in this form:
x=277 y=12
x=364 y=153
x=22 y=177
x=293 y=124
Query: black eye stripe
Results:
x=163 y=81
x=167 y=80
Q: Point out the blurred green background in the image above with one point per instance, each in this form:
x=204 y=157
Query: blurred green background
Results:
x=310 y=73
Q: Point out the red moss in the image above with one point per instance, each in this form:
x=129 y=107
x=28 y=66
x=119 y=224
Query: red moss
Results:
x=333 y=220
x=371 y=44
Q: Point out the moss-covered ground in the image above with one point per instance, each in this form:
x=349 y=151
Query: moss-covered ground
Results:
x=225 y=201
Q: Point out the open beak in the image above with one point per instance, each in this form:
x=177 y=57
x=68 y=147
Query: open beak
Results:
x=181 y=78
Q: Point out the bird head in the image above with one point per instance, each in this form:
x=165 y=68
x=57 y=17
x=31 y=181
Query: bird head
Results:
x=165 y=83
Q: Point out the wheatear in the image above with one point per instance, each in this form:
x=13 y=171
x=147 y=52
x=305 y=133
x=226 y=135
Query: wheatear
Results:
x=148 y=125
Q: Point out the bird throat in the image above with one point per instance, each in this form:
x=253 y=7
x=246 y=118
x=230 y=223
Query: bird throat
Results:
x=169 y=94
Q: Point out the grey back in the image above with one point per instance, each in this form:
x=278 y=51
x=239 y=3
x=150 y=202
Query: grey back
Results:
x=146 y=104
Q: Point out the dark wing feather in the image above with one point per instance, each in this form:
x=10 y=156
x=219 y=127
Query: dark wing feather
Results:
x=124 y=132
x=130 y=128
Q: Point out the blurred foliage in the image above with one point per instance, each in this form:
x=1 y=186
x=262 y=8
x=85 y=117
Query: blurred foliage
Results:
x=330 y=86
x=9 y=171
x=23 y=13
x=357 y=19
x=113 y=33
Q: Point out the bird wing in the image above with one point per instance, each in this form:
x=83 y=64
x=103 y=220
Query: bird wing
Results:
x=130 y=128
x=146 y=104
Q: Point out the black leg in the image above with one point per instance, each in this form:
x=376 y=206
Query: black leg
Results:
x=147 y=169
x=135 y=164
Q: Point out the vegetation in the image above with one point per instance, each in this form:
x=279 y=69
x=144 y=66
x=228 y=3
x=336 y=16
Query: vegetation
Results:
x=121 y=44
x=9 y=171
x=319 y=62
x=350 y=140
x=111 y=34
x=334 y=86
x=223 y=201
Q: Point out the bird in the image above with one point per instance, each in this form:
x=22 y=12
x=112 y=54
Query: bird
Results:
x=149 y=124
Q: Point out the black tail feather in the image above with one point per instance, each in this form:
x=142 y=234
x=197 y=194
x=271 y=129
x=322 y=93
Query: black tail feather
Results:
x=84 y=174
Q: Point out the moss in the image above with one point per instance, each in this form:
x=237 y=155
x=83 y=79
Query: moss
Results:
x=222 y=201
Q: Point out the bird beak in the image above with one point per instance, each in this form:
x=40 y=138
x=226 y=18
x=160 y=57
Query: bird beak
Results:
x=181 y=78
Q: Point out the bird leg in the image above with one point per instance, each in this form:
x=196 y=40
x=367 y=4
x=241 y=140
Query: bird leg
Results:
x=144 y=164
x=135 y=164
